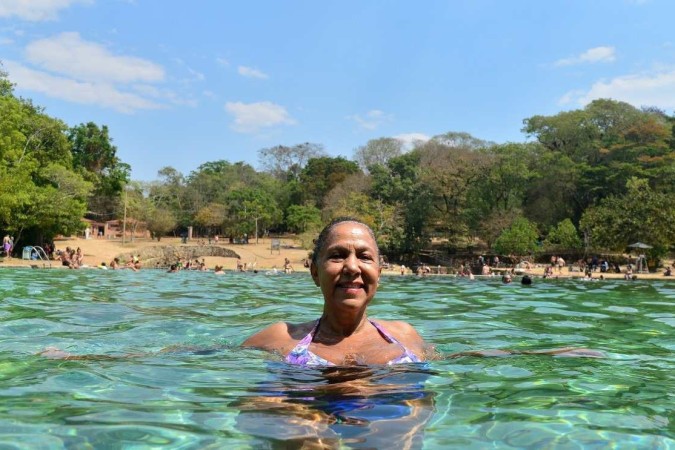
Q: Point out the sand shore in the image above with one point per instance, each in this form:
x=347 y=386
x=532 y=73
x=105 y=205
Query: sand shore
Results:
x=256 y=255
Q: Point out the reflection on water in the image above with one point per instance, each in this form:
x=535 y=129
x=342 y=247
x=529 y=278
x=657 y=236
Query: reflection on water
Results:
x=356 y=406
x=205 y=391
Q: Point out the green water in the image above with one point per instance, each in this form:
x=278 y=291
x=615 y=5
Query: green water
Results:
x=187 y=397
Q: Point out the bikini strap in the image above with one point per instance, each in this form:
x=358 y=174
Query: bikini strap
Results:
x=384 y=334
x=310 y=336
x=393 y=340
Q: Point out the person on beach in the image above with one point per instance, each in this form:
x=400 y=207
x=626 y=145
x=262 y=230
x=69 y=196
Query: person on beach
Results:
x=288 y=268
x=7 y=246
x=560 y=262
x=345 y=265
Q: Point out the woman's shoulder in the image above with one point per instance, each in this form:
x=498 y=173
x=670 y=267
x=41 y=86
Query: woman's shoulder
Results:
x=402 y=331
x=406 y=334
x=279 y=336
x=395 y=325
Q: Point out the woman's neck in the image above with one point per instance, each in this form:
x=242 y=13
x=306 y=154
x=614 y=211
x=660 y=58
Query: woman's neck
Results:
x=332 y=327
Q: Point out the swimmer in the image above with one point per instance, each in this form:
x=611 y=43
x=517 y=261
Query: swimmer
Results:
x=288 y=268
x=345 y=265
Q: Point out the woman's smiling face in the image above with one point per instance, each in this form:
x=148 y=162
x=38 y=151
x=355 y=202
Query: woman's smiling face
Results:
x=348 y=267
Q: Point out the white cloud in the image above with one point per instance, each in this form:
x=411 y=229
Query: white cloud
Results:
x=372 y=119
x=163 y=94
x=222 y=62
x=656 y=89
x=592 y=55
x=69 y=55
x=410 y=139
x=101 y=94
x=36 y=10
x=252 y=117
x=250 y=72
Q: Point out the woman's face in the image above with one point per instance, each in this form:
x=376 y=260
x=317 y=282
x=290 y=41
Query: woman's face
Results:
x=348 y=269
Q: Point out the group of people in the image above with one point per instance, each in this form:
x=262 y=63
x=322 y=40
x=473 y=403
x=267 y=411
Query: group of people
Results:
x=190 y=265
x=71 y=258
x=133 y=263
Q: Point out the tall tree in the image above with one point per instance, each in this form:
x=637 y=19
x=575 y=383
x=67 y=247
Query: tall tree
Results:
x=400 y=185
x=251 y=211
x=377 y=152
x=320 y=175
x=450 y=174
x=96 y=157
x=519 y=240
x=40 y=194
x=286 y=163
x=604 y=145
x=641 y=214
x=563 y=237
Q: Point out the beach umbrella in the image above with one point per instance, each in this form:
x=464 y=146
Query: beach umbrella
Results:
x=640 y=245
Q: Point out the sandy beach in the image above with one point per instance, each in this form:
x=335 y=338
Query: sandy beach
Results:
x=256 y=255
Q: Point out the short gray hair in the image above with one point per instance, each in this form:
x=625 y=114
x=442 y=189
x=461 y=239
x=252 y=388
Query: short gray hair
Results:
x=320 y=242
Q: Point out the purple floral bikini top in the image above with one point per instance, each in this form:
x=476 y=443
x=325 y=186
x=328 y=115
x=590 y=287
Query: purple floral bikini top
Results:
x=301 y=354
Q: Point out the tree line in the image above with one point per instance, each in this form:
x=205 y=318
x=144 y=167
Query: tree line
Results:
x=594 y=179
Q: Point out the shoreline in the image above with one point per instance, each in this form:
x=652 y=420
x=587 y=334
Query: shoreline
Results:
x=259 y=256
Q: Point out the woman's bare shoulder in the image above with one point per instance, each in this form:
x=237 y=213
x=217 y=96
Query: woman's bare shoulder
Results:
x=405 y=333
x=397 y=326
x=278 y=337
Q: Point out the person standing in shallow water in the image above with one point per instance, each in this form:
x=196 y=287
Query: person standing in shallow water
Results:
x=345 y=265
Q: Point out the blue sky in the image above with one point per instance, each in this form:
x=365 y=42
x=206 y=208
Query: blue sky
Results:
x=182 y=83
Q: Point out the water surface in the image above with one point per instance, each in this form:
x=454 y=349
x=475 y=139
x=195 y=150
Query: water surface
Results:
x=177 y=379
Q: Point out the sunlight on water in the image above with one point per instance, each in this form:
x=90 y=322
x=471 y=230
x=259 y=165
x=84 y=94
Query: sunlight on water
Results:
x=175 y=377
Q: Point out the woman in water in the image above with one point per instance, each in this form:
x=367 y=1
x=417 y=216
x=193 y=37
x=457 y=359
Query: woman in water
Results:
x=345 y=265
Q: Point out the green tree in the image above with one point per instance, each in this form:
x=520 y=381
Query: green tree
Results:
x=601 y=148
x=251 y=211
x=160 y=222
x=641 y=214
x=40 y=195
x=450 y=174
x=96 y=157
x=301 y=218
x=520 y=239
x=211 y=217
x=563 y=237
x=169 y=193
x=320 y=175
x=400 y=185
